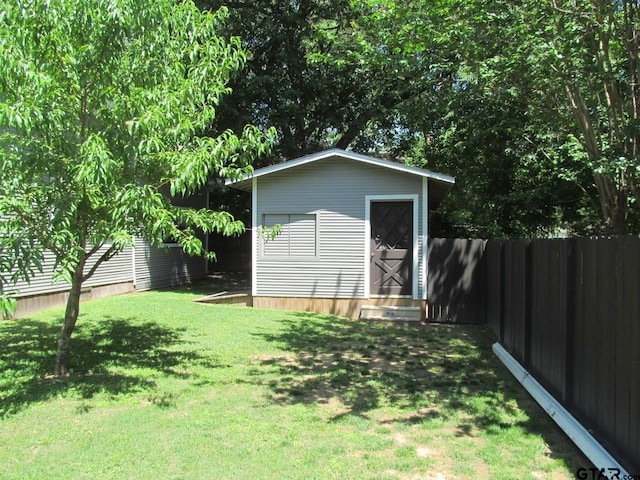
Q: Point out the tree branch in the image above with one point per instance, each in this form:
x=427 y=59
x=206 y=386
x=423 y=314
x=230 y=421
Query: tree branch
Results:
x=110 y=253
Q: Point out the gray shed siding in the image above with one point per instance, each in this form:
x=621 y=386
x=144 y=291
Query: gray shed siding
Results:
x=116 y=270
x=153 y=267
x=335 y=189
x=165 y=267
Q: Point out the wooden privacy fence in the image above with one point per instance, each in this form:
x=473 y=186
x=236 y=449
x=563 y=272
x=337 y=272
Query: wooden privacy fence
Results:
x=568 y=310
x=456 y=281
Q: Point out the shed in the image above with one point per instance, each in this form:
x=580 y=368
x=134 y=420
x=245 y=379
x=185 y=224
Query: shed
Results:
x=139 y=267
x=353 y=237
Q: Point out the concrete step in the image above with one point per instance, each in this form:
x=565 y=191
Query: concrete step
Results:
x=389 y=313
x=238 y=297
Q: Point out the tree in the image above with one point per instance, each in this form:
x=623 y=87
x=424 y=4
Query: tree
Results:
x=513 y=179
x=313 y=75
x=103 y=105
x=496 y=92
x=570 y=67
x=577 y=64
x=279 y=85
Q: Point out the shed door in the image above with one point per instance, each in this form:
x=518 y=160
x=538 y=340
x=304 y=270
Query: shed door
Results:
x=391 y=248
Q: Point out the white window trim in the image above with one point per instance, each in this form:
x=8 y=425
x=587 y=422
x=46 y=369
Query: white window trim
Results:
x=367 y=239
x=425 y=237
x=254 y=237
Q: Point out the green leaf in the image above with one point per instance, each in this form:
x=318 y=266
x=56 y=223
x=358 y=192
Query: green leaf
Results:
x=106 y=109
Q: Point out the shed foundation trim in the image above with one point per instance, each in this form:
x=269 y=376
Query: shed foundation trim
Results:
x=31 y=304
x=345 y=307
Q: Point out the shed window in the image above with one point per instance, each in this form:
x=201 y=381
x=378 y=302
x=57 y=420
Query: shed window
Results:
x=297 y=238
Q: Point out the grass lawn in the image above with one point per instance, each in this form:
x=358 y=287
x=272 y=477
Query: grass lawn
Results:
x=165 y=388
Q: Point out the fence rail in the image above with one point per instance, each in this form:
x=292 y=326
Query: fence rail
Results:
x=567 y=309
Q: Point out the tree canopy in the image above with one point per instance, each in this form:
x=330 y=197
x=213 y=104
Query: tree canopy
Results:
x=531 y=105
x=106 y=108
x=577 y=64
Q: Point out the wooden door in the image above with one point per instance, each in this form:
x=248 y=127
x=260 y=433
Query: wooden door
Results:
x=391 y=248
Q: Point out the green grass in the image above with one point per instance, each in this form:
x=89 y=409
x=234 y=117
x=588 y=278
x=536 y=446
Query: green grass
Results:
x=165 y=388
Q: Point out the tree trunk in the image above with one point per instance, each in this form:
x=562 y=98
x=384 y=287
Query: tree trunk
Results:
x=613 y=201
x=617 y=223
x=70 y=318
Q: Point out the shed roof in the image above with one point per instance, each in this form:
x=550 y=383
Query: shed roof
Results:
x=439 y=184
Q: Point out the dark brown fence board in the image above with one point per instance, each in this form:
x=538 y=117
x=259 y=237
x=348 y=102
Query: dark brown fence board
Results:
x=569 y=310
x=633 y=318
x=605 y=327
x=456 y=282
x=493 y=266
x=557 y=317
x=515 y=283
x=627 y=352
x=620 y=371
x=585 y=322
x=577 y=332
x=539 y=310
x=622 y=350
x=548 y=342
x=634 y=360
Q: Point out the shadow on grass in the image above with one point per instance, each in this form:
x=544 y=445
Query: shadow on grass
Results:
x=103 y=358
x=368 y=365
x=424 y=373
x=217 y=282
